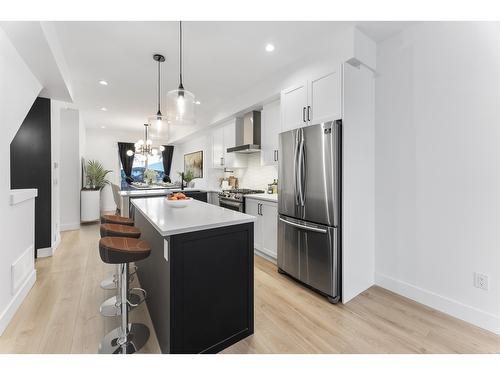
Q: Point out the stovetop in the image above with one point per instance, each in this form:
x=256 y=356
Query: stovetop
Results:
x=238 y=194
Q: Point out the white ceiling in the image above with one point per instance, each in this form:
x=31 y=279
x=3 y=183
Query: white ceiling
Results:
x=221 y=61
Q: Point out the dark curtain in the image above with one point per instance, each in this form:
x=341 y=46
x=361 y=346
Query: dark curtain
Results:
x=126 y=160
x=167 y=160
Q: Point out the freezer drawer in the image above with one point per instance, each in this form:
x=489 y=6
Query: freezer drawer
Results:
x=310 y=253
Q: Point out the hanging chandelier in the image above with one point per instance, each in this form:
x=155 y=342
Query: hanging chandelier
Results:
x=158 y=122
x=144 y=147
x=180 y=102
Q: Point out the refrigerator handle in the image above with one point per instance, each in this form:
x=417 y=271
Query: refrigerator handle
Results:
x=295 y=167
x=305 y=227
x=301 y=167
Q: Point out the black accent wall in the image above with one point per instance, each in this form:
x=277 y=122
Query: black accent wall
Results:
x=30 y=166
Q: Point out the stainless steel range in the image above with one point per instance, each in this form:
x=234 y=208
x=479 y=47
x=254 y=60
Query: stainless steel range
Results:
x=235 y=199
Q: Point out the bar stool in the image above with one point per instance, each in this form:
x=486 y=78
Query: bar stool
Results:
x=111 y=307
x=111 y=281
x=129 y=337
x=116 y=219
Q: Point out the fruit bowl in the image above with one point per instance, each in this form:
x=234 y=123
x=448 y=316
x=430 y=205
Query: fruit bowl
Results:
x=178 y=200
x=179 y=203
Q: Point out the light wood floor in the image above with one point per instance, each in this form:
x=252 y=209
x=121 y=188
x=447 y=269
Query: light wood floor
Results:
x=61 y=314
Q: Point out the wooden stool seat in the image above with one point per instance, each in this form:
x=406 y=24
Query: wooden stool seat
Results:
x=119 y=230
x=117 y=250
x=115 y=219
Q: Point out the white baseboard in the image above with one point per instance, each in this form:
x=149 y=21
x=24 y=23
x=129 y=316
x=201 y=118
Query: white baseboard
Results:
x=7 y=315
x=265 y=255
x=70 y=226
x=44 y=252
x=56 y=243
x=441 y=303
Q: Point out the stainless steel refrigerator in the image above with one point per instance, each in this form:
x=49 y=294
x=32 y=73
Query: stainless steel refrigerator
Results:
x=309 y=202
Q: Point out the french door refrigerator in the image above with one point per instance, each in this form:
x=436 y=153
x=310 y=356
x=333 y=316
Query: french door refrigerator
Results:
x=309 y=200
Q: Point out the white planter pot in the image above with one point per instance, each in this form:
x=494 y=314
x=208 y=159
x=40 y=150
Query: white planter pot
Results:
x=90 y=205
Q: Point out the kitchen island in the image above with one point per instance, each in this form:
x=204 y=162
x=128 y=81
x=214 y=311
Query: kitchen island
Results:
x=199 y=276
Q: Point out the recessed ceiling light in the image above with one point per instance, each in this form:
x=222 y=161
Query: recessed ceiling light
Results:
x=104 y=109
x=197 y=102
x=103 y=127
x=103 y=82
x=269 y=47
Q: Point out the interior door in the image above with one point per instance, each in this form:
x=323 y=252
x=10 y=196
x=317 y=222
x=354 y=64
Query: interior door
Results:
x=252 y=208
x=325 y=97
x=293 y=106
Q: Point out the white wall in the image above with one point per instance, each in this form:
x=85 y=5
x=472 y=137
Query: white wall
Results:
x=201 y=142
x=69 y=169
x=437 y=167
x=102 y=145
x=18 y=90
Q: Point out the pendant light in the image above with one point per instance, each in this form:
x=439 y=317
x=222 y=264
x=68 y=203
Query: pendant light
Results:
x=158 y=123
x=180 y=102
x=144 y=147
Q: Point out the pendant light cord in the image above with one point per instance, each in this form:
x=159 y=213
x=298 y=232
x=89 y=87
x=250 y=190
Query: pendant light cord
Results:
x=180 y=56
x=159 y=91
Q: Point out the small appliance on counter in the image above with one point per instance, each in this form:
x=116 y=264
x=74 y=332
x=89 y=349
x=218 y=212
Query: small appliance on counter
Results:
x=272 y=188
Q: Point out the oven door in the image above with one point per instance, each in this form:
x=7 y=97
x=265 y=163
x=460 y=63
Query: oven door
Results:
x=230 y=204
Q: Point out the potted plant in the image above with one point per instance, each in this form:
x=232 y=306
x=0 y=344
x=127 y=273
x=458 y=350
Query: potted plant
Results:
x=188 y=177
x=150 y=176
x=95 y=180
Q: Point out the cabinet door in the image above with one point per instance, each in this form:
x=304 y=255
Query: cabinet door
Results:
x=218 y=148
x=325 y=97
x=252 y=208
x=269 y=218
x=270 y=128
x=229 y=141
x=293 y=107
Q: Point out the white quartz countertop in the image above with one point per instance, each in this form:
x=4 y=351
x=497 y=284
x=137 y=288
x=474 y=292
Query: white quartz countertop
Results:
x=263 y=197
x=168 y=220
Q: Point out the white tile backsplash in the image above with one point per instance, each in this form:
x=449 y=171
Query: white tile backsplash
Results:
x=256 y=176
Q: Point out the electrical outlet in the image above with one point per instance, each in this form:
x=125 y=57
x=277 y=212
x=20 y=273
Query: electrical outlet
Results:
x=481 y=281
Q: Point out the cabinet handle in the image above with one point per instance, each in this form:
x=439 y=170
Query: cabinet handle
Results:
x=308 y=113
x=277 y=155
x=258 y=208
x=221 y=161
x=274 y=155
x=303 y=114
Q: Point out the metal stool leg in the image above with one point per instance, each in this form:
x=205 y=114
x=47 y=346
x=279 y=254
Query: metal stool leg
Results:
x=128 y=338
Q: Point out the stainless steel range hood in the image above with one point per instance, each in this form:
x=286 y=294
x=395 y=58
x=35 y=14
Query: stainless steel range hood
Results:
x=247 y=134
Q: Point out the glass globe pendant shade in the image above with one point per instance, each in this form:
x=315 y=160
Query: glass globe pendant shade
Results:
x=158 y=127
x=180 y=107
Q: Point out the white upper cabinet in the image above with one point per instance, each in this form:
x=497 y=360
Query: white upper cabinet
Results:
x=325 y=98
x=218 y=148
x=223 y=138
x=293 y=106
x=270 y=129
x=229 y=141
x=317 y=100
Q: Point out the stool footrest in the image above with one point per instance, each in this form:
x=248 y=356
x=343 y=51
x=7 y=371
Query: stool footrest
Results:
x=144 y=296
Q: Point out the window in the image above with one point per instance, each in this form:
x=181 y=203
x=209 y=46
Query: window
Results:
x=139 y=166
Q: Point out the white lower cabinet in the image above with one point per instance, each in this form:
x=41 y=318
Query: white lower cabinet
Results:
x=266 y=225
